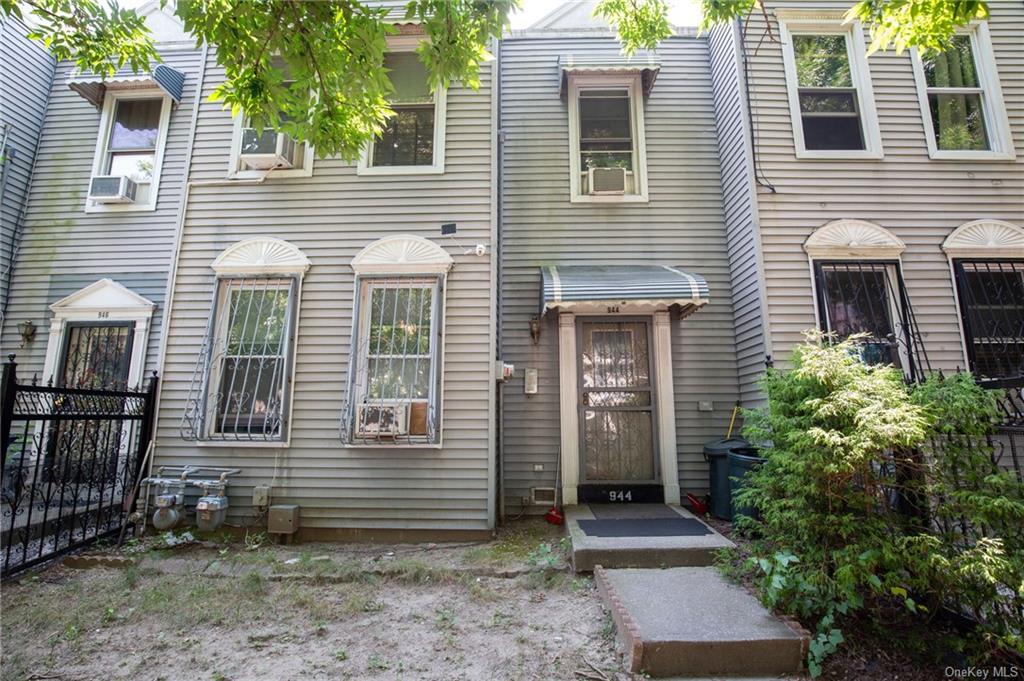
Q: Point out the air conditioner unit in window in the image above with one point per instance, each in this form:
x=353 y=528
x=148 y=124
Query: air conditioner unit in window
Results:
x=607 y=180
x=112 y=189
x=266 y=151
x=381 y=420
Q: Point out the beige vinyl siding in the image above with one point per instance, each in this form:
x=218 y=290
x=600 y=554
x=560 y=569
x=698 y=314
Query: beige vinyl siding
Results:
x=739 y=203
x=919 y=199
x=61 y=243
x=22 y=110
x=682 y=225
x=331 y=216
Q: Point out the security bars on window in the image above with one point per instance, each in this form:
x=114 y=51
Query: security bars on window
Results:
x=870 y=298
x=240 y=387
x=393 y=393
x=992 y=309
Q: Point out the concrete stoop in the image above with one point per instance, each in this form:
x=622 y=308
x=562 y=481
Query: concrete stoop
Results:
x=691 y=622
x=640 y=552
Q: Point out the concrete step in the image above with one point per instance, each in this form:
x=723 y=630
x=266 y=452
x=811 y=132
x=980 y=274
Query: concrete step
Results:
x=638 y=551
x=691 y=622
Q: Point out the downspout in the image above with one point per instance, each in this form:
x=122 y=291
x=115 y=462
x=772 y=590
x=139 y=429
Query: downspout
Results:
x=494 y=502
x=178 y=235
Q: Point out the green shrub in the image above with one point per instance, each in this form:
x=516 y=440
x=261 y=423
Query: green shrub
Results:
x=876 y=493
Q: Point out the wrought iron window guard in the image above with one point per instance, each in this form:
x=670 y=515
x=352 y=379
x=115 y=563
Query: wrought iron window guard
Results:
x=991 y=295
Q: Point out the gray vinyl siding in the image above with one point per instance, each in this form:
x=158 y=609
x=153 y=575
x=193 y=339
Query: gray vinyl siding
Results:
x=739 y=204
x=61 y=243
x=918 y=199
x=22 y=109
x=682 y=225
x=331 y=216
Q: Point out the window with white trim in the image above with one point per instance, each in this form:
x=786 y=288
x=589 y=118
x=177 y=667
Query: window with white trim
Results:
x=133 y=132
x=608 y=156
x=961 y=102
x=414 y=136
x=991 y=294
x=257 y=151
x=394 y=393
x=241 y=388
x=829 y=85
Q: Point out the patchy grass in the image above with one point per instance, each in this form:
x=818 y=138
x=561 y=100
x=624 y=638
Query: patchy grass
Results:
x=515 y=544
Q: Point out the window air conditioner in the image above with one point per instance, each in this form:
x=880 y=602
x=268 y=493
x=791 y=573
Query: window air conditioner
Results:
x=112 y=189
x=266 y=151
x=378 y=420
x=607 y=180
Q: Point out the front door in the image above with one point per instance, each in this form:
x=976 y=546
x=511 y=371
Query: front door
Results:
x=616 y=402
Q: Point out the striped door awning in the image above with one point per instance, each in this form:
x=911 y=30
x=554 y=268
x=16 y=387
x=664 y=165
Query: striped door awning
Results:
x=591 y=288
x=93 y=86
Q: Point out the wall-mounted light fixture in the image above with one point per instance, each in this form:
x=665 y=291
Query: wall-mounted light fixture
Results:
x=27 y=329
x=535 y=329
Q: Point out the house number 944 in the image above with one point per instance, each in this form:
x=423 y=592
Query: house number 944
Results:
x=620 y=495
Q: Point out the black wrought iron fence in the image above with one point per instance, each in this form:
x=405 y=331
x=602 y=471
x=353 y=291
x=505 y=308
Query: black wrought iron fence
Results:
x=70 y=460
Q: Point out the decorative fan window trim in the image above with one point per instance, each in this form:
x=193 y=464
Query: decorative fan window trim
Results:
x=250 y=269
x=985 y=239
x=406 y=263
x=851 y=238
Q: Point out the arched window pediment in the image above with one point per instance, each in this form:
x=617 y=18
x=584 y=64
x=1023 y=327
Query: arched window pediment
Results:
x=985 y=239
x=850 y=238
x=261 y=255
x=402 y=254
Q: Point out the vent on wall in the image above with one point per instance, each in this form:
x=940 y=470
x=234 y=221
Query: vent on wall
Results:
x=542 y=496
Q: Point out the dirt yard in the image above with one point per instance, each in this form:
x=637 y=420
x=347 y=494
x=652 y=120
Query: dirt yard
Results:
x=221 y=610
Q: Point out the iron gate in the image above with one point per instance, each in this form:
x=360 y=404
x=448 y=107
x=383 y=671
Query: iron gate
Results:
x=70 y=460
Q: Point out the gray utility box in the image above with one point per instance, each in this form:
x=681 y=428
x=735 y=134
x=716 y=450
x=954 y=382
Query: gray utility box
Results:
x=283 y=519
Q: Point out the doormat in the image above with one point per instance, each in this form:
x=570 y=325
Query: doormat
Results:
x=645 y=527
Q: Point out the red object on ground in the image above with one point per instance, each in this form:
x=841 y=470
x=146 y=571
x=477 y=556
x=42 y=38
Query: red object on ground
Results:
x=699 y=505
x=554 y=516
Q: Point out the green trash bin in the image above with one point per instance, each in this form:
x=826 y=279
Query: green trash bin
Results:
x=742 y=460
x=716 y=453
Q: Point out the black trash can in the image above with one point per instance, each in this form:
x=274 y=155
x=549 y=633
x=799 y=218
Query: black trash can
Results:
x=716 y=453
x=742 y=460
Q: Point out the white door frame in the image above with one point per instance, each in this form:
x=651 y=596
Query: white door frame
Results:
x=570 y=454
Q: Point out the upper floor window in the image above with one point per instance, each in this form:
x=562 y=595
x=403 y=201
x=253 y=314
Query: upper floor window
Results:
x=413 y=138
x=129 y=152
x=961 y=102
x=256 y=151
x=830 y=96
x=606 y=138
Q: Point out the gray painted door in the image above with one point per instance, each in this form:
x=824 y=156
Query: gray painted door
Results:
x=616 y=402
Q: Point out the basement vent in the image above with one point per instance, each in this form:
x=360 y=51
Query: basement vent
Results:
x=542 y=495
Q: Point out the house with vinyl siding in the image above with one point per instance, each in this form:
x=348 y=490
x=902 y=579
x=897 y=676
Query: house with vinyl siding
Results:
x=616 y=301
x=332 y=324
x=87 y=271
x=879 y=194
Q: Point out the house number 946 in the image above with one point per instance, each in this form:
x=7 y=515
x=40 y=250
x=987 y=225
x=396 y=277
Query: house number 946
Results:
x=103 y=315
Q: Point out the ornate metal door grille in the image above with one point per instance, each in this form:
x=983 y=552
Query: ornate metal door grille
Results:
x=870 y=298
x=616 y=402
x=96 y=356
x=70 y=460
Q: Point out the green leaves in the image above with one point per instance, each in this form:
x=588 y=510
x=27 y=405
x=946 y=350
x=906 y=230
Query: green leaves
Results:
x=928 y=25
x=641 y=24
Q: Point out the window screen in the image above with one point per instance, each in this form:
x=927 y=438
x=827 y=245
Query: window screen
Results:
x=606 y=131
x=955 y=98
x=408 y=136
x=131 y=147
x=829 y=106
x=992 y=310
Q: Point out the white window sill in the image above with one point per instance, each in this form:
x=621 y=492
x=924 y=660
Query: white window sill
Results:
x=400 y=170
x=949 y=155
x=244 y=444
x=615 y=198
x=816 y=155
x=273 y=174
x=118 y=207
x=386 y=445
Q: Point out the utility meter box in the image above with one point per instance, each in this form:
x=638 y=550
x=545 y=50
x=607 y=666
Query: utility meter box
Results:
x=283 y=519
